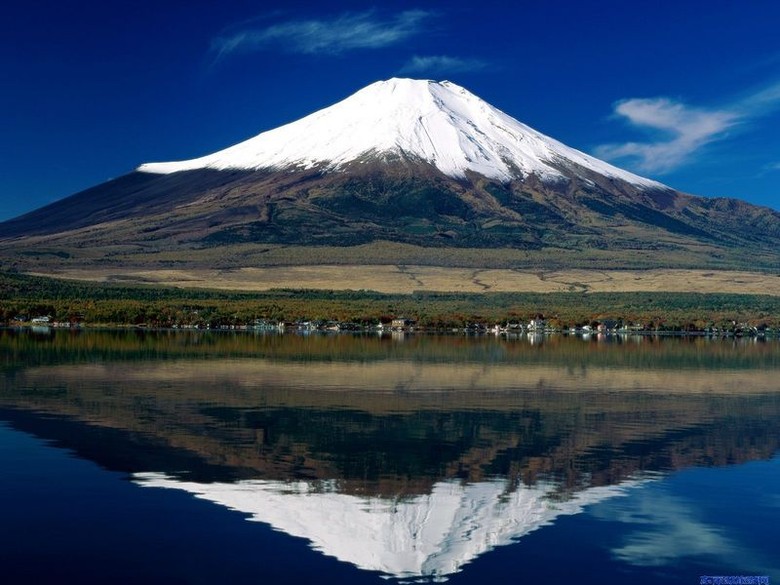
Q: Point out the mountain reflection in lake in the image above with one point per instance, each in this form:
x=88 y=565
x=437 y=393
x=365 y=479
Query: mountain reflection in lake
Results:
x=413 y=458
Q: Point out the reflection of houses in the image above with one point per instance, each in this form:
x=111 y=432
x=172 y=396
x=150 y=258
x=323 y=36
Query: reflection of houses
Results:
x=266 y=325
x=402 y=324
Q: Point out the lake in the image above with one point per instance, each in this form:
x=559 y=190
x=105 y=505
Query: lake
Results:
x=233 y=457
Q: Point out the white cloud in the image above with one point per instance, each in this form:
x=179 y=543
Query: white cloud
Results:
x=350 y=31
x=760 y=102
x=662 y=529
x=679 y=130
x=442 y=64
x=671 y=532
x=685 y=130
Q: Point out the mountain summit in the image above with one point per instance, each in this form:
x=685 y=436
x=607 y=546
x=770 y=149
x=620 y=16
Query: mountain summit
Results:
x=439 y=123
x=401 y=172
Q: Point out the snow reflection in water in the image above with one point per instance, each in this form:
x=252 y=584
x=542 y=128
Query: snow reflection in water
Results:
x=424 y=536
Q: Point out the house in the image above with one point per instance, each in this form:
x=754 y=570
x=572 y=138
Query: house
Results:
x=608 y=325
x=402 y=324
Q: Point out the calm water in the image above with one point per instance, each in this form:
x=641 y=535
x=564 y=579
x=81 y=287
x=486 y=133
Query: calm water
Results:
x=240 y=458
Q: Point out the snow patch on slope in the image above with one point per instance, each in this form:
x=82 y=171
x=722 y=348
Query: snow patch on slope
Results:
x=430 y=535
x=438 y=122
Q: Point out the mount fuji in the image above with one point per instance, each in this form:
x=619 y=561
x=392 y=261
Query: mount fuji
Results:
x=440 y=124
x=417 y=167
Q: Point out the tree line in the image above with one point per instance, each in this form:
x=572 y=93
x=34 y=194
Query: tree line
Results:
x=26 y=297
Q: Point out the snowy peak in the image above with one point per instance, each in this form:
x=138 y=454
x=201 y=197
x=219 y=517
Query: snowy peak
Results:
x=439 y=123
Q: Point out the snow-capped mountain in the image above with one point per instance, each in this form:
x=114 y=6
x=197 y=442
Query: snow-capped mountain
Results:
x=437 y=122
x=428 y=536
x=422 y=163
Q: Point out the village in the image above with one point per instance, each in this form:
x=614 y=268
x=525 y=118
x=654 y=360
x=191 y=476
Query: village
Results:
x=536 y=326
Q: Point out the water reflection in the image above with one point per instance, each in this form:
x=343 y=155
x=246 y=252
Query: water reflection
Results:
x=409 y=458
x=427 y=536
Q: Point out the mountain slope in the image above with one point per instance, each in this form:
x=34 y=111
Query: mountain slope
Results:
x=412 y=162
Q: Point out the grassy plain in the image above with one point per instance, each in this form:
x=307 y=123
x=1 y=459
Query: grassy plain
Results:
x=407 y=279
x=47 y=255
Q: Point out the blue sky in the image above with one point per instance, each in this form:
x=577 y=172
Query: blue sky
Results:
x=685 y=92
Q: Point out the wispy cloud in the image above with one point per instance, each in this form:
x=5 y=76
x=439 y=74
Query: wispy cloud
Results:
x=760 y=102
x=347 y=32
x=442 y=64
x=669 y=532
x=661 y=529
x=679 y=131
x=683 y=129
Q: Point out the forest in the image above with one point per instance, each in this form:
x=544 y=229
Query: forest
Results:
x=24 y=297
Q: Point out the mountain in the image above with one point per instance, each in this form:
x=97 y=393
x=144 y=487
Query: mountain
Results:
x=440 y=124
x=423 y=164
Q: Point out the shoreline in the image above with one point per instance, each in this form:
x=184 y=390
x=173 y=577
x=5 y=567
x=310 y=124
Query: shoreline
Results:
x=389 y=332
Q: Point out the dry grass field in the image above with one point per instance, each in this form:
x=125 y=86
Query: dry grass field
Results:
x=423 y=384
x=407 y=279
